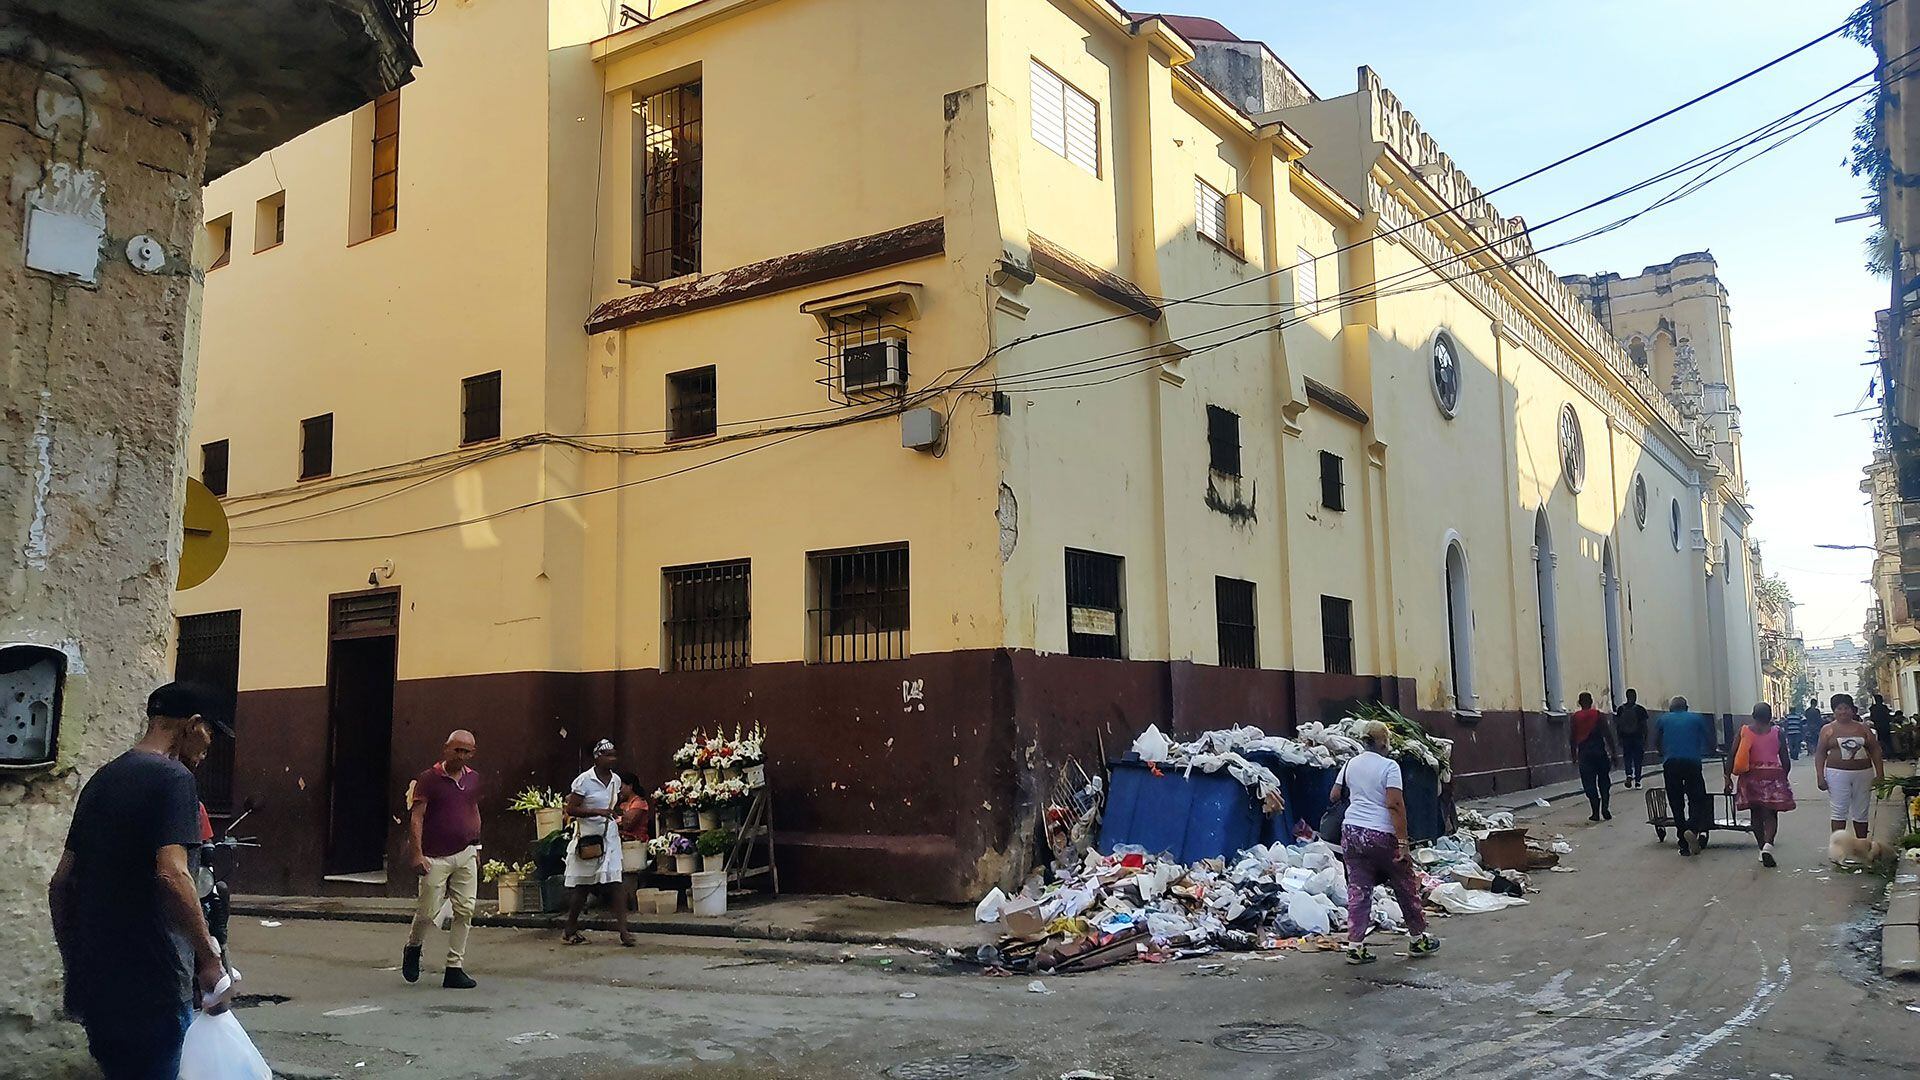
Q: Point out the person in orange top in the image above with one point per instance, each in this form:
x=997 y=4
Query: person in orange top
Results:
x=1759 y=769
x=1590 y=738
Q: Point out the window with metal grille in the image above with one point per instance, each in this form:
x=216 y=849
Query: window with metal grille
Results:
x=1333 y=482
x=1336 y=634
x=1223 y=441
x=1233 y=609
x=1065 y=120
x=316 y=446
x=208 y=655
x=692 y=404
x=220 y=241
x=480 y=408
x=708 y=608
x=1096 y=605
x=384 y=204
x=857 y=604
x=213 y=466
x=667 y=195
x=1306 y=280
x=1210 y=212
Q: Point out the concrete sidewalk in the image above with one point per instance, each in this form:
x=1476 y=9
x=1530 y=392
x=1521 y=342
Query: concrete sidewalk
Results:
x=1517 y=801
x=849 y=920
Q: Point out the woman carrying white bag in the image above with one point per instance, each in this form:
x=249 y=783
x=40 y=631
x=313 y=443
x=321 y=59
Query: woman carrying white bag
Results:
x=217 y=1047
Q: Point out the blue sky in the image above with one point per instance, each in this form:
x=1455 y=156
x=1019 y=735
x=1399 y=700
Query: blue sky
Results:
x=1506 y=87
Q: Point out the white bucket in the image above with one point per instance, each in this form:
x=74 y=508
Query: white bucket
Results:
x=708 y=896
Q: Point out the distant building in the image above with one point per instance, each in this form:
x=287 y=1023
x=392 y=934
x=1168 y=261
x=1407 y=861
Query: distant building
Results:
x=1836 y=668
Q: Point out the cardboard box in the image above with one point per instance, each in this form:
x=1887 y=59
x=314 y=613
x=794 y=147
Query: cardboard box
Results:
x=1505 y=849
x=1021 y=918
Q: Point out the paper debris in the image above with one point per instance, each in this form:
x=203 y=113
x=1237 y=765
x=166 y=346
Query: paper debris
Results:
x=526 y=1037
x=1038 y=987
x=268 y=923
x=908 y=995
x=1085 y=1074
x=1542 y=802
x=353 y=1010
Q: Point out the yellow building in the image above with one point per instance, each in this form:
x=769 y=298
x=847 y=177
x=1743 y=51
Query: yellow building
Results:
x=954 y=389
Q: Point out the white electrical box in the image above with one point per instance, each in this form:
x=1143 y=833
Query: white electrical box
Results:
x=920 y=428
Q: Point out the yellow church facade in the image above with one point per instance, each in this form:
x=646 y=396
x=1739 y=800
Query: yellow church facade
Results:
x=953 y=389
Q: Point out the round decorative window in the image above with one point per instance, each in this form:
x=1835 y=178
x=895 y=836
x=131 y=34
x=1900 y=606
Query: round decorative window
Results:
x=1573 y=448
x=1673 y=523
x=1640 y=501
x=1443 y=368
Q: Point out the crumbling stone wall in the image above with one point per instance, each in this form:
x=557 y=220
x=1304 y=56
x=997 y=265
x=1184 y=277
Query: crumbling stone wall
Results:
x=95 y=391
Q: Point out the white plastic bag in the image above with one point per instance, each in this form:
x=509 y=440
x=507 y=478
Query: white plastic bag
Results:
x=989 y=907
x=1457 y=899
x=1386 y=909
x=444 y=917
x=1331 y=883
x=1153 y=744
x=217 y=1048
x=1312 y=914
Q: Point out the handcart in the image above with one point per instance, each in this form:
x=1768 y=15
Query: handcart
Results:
x=1725 y=817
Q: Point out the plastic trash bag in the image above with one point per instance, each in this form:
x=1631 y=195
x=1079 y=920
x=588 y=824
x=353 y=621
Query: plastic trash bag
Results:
x=1153 y=744
x=1386 y=909
x=1312 y=914
x=1330 y=882
x=217 y=1048
x=444 y=917
x=989 y=907
x=1163 y=925
x=1457 y=899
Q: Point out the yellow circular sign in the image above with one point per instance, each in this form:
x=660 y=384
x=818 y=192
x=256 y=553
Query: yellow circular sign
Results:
x=205 y=545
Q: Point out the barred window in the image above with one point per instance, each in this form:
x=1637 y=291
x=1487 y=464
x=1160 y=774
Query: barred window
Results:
x=1223 y=441
x=1233 y=608
x=1210 y=212
x=207 y=654
x=220 y=241
x=708 y=624
x=480 y=408
x=1333 y=484
x=1336 y=634
x=384 y=200
x=667 y=193
x=858 y=604
x=692 y=402
x=1096 y=605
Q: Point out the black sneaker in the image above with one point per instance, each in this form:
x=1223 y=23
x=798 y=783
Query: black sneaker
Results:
x=1606 y=815
x=410 y=964
x=456 y=979
x=1686 y=846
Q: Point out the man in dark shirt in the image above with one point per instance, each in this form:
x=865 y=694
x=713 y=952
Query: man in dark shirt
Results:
x=1630 y=723
x=125 y=911
x=1812 y=722
x=443 y=841
x=1882 y=719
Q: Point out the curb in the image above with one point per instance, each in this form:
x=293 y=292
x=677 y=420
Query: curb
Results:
x=738 y=932
x=1498 y=803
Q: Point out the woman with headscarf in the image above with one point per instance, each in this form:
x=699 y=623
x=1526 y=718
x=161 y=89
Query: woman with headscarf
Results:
x=1373 y=839
x=593 y=857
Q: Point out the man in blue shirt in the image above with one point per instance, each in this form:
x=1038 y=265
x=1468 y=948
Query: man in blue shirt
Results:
x=1683 y=738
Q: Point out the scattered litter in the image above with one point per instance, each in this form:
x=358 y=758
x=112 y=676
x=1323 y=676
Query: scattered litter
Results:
x=1913 y=1008
x=1561 y=847
x=1711 y=902
x=876 y=948
x=1563 y=869
x=1543 y=803
x=1038 y=987
x=886 y=961
x=353 y=1010
x=526 y=1037
x=268 y=923
x=1591 y=937
x=908 y=995
x=1085 y=1074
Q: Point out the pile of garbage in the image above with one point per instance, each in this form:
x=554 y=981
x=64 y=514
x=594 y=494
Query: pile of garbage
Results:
x=1132 y=905
x=1319 y=746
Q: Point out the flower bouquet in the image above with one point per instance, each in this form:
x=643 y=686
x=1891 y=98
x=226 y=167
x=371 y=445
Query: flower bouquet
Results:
x=689 y=754
x=511 y=884
x=545 y=805
x=681 y=847
x=750 y=756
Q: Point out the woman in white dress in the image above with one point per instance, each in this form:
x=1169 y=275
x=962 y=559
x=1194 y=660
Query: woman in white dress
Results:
x=594 y=801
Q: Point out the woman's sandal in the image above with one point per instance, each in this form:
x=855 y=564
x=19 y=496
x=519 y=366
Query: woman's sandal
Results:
x=575 y=938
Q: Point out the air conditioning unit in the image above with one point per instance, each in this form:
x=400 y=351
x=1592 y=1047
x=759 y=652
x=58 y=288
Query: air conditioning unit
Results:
x=874 y=365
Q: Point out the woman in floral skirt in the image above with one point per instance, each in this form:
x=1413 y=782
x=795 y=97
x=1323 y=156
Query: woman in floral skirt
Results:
x=1757 y=775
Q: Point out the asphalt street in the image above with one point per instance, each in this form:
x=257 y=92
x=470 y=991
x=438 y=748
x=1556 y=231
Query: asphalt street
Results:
x=1638 y=964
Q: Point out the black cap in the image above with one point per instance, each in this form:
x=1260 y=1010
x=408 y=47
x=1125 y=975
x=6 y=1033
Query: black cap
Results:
x=179 y=700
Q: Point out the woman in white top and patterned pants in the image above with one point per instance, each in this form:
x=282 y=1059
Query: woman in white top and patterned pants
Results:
x=594 y=800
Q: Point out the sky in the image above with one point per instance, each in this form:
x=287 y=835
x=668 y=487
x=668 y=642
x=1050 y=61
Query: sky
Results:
x=1505 y=87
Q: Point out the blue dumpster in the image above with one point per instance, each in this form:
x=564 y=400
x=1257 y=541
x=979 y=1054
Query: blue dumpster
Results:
x=1202 y=816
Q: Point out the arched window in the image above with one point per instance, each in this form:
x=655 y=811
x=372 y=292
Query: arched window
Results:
x=1673 y=523
x=1460 y=626
x=1543 y=560
x=1610 y=596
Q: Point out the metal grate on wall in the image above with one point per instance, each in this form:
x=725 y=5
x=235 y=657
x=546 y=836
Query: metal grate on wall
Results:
x=1096 y=605
x=208 y=656
x=366 y=614
x=1336 y=634
x=858 y=608
x=709 y=607
x=865 y=358
x=670 y=148
x=1233 y=609
x=692 y=404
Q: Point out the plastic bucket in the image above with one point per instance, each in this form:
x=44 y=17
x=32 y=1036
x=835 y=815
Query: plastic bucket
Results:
x=546 y=820
x=708 y=896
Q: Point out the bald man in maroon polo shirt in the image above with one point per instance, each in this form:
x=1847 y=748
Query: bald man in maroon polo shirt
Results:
x=443 y=832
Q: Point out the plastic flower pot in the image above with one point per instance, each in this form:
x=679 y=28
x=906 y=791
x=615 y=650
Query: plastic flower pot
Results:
x=732 y=814
x=710 y=863
x=547 y=819
x=712 y=775
x=686 y=864
x=515 y=897
x=756 y=776
x=708 y=819
x=689 y=818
